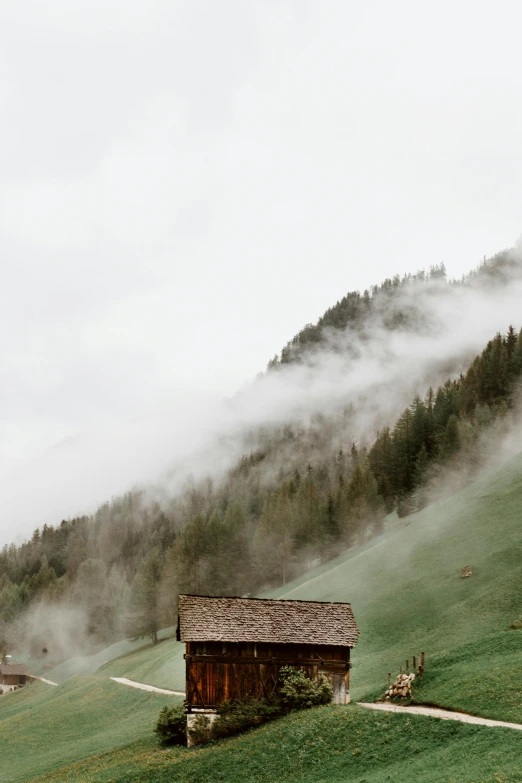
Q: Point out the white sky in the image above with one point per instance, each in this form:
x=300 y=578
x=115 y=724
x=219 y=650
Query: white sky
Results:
x=184 y=184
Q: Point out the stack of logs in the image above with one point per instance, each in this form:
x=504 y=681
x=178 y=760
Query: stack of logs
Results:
x=402 y=687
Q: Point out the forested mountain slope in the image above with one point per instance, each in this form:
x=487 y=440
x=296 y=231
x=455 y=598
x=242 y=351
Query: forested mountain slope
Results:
x=355 y=311
x=305 y=493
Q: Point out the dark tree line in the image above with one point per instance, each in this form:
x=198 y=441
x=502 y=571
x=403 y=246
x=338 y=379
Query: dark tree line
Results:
x=355 y=310
x=431 y=430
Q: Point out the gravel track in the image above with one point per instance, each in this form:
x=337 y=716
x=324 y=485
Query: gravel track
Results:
x=143 y=687
x=435 y=712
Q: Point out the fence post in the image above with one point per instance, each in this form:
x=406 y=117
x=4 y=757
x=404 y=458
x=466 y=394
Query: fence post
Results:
x=421 y=665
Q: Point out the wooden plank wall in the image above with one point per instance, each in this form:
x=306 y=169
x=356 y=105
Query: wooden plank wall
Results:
x=13 y=679
x=218 y=672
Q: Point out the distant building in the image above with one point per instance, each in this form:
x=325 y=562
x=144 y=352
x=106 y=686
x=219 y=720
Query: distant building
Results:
x=236 y=646
x=13 y=675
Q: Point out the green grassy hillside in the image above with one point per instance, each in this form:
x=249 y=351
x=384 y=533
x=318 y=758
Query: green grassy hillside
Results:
x=49 y=727
x=162 y=666
x=324 y=745
x=43 y=728
x=407 y=596
x=88 y=714
x=88 y=664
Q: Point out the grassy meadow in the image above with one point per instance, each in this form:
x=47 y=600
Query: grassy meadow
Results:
x=407 y=596
x=43 y=728
x=88 y=664
x=162 y=666
x=324 y=745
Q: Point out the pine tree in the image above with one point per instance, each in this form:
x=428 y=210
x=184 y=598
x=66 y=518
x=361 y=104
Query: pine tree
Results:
x=403 y=454
x=430 y=433
x=193 y=548
x=421 y=466
x=381 y=463
x=516 y=360
x=511 y=341
x=419 y=478
x=144 y=617
x=450 y=441
x=340 y=467
x=330 y=528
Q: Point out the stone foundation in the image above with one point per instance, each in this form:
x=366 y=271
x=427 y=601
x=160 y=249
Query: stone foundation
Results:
x=192 y=725
x=9 y=688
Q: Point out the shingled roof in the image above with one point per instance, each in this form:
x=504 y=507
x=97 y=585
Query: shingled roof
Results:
x=209 y=619
x=16 y=669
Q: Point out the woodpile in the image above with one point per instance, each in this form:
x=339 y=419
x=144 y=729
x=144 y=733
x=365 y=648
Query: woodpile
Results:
x=402 y=687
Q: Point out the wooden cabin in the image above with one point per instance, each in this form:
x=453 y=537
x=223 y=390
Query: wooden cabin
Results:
x=13 y=675
x=236 y=646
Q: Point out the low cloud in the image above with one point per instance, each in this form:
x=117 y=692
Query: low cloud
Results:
x=374 y=374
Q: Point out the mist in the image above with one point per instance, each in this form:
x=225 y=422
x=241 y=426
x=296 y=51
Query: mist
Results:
x=185 y=184
x=374 y=373
x=52 y=633
x=498 y=442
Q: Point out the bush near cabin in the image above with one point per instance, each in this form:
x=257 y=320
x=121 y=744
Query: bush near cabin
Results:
x=171 y=726
x=295 y=691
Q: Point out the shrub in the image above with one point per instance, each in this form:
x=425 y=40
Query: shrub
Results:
x=296 y=691
x=405 y=506
x=171 y=726
x=236 y=716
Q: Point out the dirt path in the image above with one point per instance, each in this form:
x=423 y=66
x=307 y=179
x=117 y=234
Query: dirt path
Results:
x=435 y=712
x=143 y=687
x=42 y=679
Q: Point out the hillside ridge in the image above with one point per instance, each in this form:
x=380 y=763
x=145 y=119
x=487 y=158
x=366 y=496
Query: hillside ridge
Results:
x=407 y=595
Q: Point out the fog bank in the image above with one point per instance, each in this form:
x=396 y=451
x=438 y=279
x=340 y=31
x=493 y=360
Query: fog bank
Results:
x=374 y=371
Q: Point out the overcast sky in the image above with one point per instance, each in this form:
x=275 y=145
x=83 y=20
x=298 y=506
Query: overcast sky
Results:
x=184 y=185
